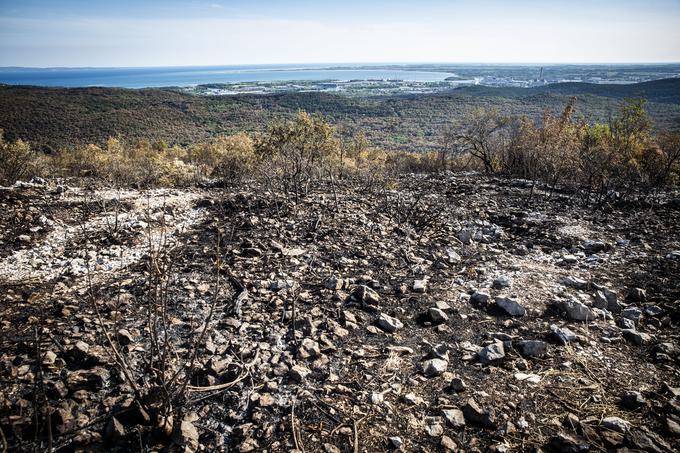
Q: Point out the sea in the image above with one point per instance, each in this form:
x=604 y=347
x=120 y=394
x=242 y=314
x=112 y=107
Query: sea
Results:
x=200 y=75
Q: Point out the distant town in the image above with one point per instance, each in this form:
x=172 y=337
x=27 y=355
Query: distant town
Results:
x=387 y=87
x=516 y=76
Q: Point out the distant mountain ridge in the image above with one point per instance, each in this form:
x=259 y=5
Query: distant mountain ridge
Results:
x=662 y=90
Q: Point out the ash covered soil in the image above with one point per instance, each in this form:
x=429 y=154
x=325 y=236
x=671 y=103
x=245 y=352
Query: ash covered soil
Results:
x=449 y=313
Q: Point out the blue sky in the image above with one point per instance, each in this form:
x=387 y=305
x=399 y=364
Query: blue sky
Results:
x=42 y=33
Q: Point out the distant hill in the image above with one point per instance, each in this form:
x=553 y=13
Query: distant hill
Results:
x=51 y=118
x=664 y=90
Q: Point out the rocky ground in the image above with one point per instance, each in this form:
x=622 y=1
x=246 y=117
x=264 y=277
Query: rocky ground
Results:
x=447 y=313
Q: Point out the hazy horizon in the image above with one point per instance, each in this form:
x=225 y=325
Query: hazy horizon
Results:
x=174 y=33
x=323 y=65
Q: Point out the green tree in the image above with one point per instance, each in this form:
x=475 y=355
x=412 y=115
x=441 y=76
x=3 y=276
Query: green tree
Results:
x=16 y=160
x=298 y=150
x=236 y=157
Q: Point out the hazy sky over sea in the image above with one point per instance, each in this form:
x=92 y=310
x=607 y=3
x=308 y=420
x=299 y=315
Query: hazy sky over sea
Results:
x=213 y=32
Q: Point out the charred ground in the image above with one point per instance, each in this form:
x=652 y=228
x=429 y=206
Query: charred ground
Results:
x=299 y=353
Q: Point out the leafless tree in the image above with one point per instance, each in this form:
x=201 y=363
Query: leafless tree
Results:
x=480 y=136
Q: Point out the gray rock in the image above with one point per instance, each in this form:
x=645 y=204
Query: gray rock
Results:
x=592 y=246
x=492 y=352
x=672 y=391
x=510 y=306
x=219 y=366
x=633 y=400
x=365 y=295
x=474 y=414
x=49 y=358
x=278 y=285
x=443 y=306
x=521 y=250
x=335 y=283
x=377 y=398
x=396 y=442
x=502 y=281
x=433 y=426
x=330 y=448
x=349 y=319
x=611 y=295
x=569 y=259
x=666 y=348
x=439 y=351
x=413 y=399
x=576 y=310
x=388 y=323
x=600 y=300
x=480 y=298
x=532 y=348
x=448 y=444
x=437 y=316
x=564 y=443
x=266 y=400
x=626 y=323
x=574 y=282
x=632 y=313
x=466 y=235
x=452 y=257
x=502 y=336
x=400 y=350
x=636 y=295
x=298 y=373
x=653 y=310
x=458 y=384
x=336 y=328
x=420 y=286
x=434 y=367
x=673 y=425
x=454 y=417
x=637 y=338
x=308 y=349
x=79 y=353
x=646 y=440
x=186 y=435
x=562 y=335
x=93 y=379
x=248 y=445
x=616 y=424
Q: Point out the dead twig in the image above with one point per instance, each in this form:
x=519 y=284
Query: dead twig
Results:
x=40 y=383
x=224 y=386
x=4 y=440
x=296 y=434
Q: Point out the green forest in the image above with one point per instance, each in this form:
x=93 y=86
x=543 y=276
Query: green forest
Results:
x=52 y=118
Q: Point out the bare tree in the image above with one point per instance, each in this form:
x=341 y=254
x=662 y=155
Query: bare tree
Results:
x=481 y=137
x=667 y=157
